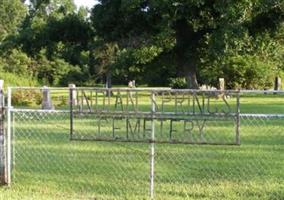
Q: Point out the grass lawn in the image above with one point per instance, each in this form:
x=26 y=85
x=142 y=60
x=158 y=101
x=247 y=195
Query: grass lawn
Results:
x=47 y=165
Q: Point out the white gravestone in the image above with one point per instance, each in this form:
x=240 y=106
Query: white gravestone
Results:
x=46 y=99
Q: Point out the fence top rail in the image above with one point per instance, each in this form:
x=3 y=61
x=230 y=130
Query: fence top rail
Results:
x=36 y=88
x=160 y=89
x=252 y=115
x=38 y=110
x=122 y=89
x=262 y=91
x=248 y=115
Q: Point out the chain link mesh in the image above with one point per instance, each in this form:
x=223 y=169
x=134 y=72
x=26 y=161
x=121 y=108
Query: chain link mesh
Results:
x=253 y=170
x=45 y=157
x=50 y=162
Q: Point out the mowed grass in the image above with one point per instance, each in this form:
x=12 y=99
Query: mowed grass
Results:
x=47 y=165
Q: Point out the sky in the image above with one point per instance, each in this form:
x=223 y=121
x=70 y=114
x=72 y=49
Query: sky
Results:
x=86 y=3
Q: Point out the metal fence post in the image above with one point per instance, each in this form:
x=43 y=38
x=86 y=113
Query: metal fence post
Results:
x=238 y=140
x=152 y=146
x=9 y=143
x=2 y=136
x=71 y=101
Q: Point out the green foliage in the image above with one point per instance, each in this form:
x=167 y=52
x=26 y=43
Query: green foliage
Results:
x=105 y=57
x=243 y=60
x=178 y=83
x=149 y=41
x=248 y=72
x=12 y=13
x=73 y=29
x=16 y=61
x=52 y=71
x=203 y=36
x=51 y=45
x=26 y=98
x=146 y=54
x=11 y=79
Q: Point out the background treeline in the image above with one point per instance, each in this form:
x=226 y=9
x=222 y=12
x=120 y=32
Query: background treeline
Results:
x=178 y=43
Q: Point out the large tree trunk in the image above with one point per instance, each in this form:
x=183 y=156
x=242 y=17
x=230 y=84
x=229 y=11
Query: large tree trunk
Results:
x=109 y=82
x=186 y=53
x=191 y=78
x=92 y=61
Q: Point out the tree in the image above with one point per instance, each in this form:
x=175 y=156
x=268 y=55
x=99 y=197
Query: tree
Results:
x=105 y=55
x=11 y=14
x=194 y=25
x=56 y=36
x=33 y=34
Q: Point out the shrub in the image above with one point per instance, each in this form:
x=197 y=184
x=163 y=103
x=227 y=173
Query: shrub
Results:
x=178 y=83
x=16 y=61
x=11 y=79
x=249 y=72
x=26 y=98
x=22 y=98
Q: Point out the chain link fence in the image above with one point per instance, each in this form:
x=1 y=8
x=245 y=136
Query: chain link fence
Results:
x=253 y=170
x=94 y=164
x=45 y=157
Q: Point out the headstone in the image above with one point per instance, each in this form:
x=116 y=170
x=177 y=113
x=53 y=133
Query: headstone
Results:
x=74 y=94
x=46 y=100
x=277 y=84
x=221 y=84
x=130 y=84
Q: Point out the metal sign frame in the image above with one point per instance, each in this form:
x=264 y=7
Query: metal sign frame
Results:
x=187 y=106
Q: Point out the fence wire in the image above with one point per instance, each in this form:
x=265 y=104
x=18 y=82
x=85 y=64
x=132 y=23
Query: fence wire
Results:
x=107 y=155
x=253 y=170
x=45 y=157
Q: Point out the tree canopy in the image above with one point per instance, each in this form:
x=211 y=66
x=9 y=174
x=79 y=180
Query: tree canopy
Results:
x=12 y=13
x=196 y=32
